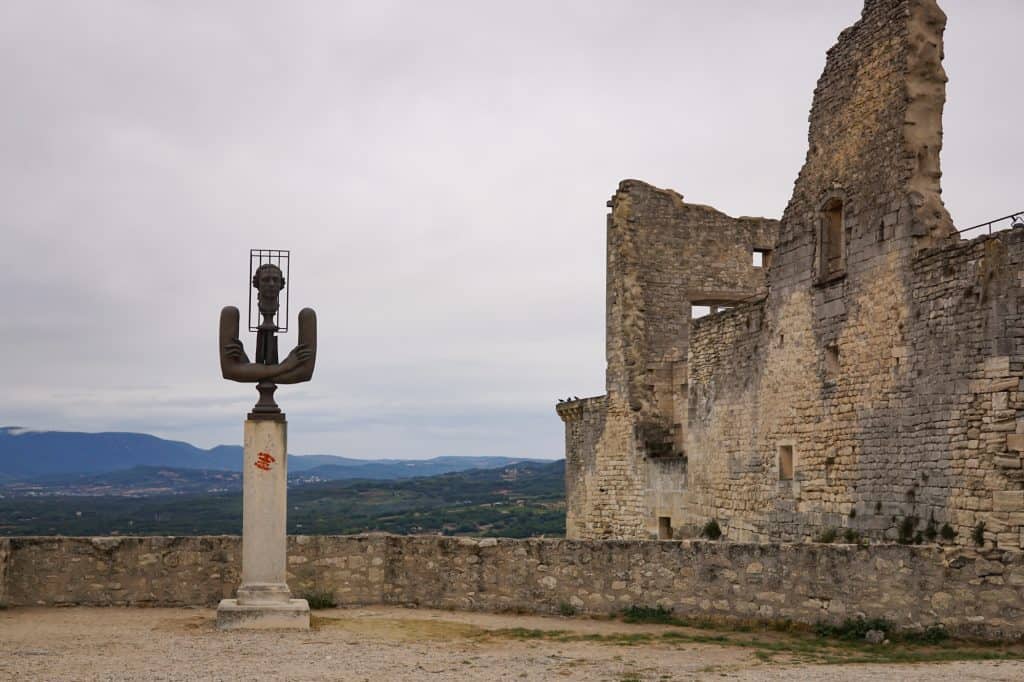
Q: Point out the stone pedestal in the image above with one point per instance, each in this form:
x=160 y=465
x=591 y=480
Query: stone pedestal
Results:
x=264 y=600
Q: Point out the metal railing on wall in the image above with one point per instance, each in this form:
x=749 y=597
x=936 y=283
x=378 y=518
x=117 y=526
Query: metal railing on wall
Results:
x=1012 y=220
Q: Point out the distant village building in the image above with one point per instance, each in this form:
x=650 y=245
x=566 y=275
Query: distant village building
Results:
x=861 y=363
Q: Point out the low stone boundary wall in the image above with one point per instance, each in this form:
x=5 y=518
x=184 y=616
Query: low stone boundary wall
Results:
x=971 y=593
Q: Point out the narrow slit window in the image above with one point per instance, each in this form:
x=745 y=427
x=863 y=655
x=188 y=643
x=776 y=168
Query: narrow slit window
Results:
x=664 y=527
x=832 y=240
x=831 y=361
x=786 y=463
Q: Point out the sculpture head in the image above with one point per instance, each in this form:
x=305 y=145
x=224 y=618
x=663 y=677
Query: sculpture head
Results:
x=269 y=281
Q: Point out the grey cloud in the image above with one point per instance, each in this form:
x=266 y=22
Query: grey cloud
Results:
x=439 y=171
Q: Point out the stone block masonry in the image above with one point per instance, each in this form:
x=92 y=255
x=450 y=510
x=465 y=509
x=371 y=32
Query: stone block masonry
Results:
x=970 y=593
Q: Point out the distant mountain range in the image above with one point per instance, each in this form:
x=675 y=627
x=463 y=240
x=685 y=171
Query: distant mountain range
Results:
x=67 y=462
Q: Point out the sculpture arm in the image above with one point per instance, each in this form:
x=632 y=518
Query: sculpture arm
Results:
x=305 y=351
x=234 y=363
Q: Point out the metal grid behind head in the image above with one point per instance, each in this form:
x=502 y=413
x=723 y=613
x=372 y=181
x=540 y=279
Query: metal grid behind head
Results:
x=282 y=259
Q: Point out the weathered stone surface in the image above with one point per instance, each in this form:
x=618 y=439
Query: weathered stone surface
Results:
x=969 y=592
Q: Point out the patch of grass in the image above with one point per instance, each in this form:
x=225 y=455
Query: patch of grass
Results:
x=650 y=614
x=529 y=633
x=851 y=536
x=853 y=628
x=514 y=610
x=711 y=530
x=320 y=599
x=931 y=531
x=933 y=634
x=947 y=533
x=566 y=609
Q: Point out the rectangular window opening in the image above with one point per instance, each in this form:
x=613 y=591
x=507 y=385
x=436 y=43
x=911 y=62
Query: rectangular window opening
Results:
x=834 y=250
x=761 y=258
x=831 y=241
x=785 y=462
x=831 y=361
x=698 y=311
x=664 y=527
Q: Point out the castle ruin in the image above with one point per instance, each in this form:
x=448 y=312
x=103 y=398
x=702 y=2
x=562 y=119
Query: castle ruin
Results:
x=862 y=364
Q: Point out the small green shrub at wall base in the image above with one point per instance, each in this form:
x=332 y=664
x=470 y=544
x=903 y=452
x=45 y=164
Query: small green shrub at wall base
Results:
x=711 y=530
x=828 y=536
x=906 y=530
x=851 y=536
x=853 y=628
x=933 y=634
x=649 y=614
x=978 y=534
x=566 y=609
x=320 y=600
x=947 y=533
x=931 y=532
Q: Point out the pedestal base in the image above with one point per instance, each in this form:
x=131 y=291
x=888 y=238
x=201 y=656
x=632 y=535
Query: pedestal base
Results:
x=290 y=615
x=258 y=594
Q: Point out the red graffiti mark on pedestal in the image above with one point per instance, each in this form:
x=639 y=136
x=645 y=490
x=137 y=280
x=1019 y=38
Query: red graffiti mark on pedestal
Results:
x=264 y=460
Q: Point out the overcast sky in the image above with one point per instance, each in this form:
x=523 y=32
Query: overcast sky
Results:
x=439 y=171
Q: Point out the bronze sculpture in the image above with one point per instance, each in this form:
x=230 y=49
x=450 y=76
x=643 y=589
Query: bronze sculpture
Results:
x=266 y=372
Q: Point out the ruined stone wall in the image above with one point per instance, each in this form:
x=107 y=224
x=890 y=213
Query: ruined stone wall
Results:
x=959 y=446
x=584 y=424
x=934 y=437
x=663 y=254
x=884 y=357
x=968 y=592
x=623 y=451
x=731 y=478
x=874 y=374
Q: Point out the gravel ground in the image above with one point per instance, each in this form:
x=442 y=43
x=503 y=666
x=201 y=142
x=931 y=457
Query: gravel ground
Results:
x=392 y=644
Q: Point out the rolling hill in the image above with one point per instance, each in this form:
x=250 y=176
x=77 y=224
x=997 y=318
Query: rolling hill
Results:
x=59 y=458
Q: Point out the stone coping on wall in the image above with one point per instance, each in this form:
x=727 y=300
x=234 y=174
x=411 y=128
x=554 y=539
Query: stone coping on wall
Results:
x=975 y=593
x=575 y=408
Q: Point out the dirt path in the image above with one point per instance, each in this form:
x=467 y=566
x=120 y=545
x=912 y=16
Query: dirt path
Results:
x=408 y=644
